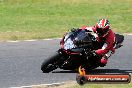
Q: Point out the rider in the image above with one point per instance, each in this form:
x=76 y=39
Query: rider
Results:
x=103 y=34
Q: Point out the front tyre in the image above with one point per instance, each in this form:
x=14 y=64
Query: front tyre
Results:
x=51 y=63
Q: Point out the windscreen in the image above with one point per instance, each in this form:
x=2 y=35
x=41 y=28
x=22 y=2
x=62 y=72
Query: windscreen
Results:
x=73 y=36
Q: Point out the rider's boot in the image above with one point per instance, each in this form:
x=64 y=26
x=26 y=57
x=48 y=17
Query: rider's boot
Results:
x=103 y=61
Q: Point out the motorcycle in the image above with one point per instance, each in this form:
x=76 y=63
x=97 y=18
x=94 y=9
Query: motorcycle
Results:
x=77 y=49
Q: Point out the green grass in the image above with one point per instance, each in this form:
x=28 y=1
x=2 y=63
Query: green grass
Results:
x=103 y=86
x=38 y=19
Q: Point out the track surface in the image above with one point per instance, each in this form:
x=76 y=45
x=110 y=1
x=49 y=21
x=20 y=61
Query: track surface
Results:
x=20 y=63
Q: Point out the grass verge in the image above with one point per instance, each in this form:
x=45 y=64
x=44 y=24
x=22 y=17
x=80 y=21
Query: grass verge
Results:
x=38 y=19
x=103 y=86
x=72 y=84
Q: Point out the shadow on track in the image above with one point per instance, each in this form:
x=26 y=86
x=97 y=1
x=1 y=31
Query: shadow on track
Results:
x=98 y=71
x=65 y=71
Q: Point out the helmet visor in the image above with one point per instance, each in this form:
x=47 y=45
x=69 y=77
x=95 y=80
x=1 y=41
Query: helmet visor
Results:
x=102 y=32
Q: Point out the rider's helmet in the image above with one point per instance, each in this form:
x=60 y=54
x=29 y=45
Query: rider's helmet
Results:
x=102 y=27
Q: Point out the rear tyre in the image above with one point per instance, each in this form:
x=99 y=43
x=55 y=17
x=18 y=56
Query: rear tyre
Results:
x=51 y=63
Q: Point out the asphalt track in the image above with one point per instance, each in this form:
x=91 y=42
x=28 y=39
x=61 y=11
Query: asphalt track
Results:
x=20 y=63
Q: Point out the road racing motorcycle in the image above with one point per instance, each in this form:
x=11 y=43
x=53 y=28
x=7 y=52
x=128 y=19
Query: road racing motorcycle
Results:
x=77 y=49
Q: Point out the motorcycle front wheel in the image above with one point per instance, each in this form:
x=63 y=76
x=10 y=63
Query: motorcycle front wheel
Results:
x=50 y=64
